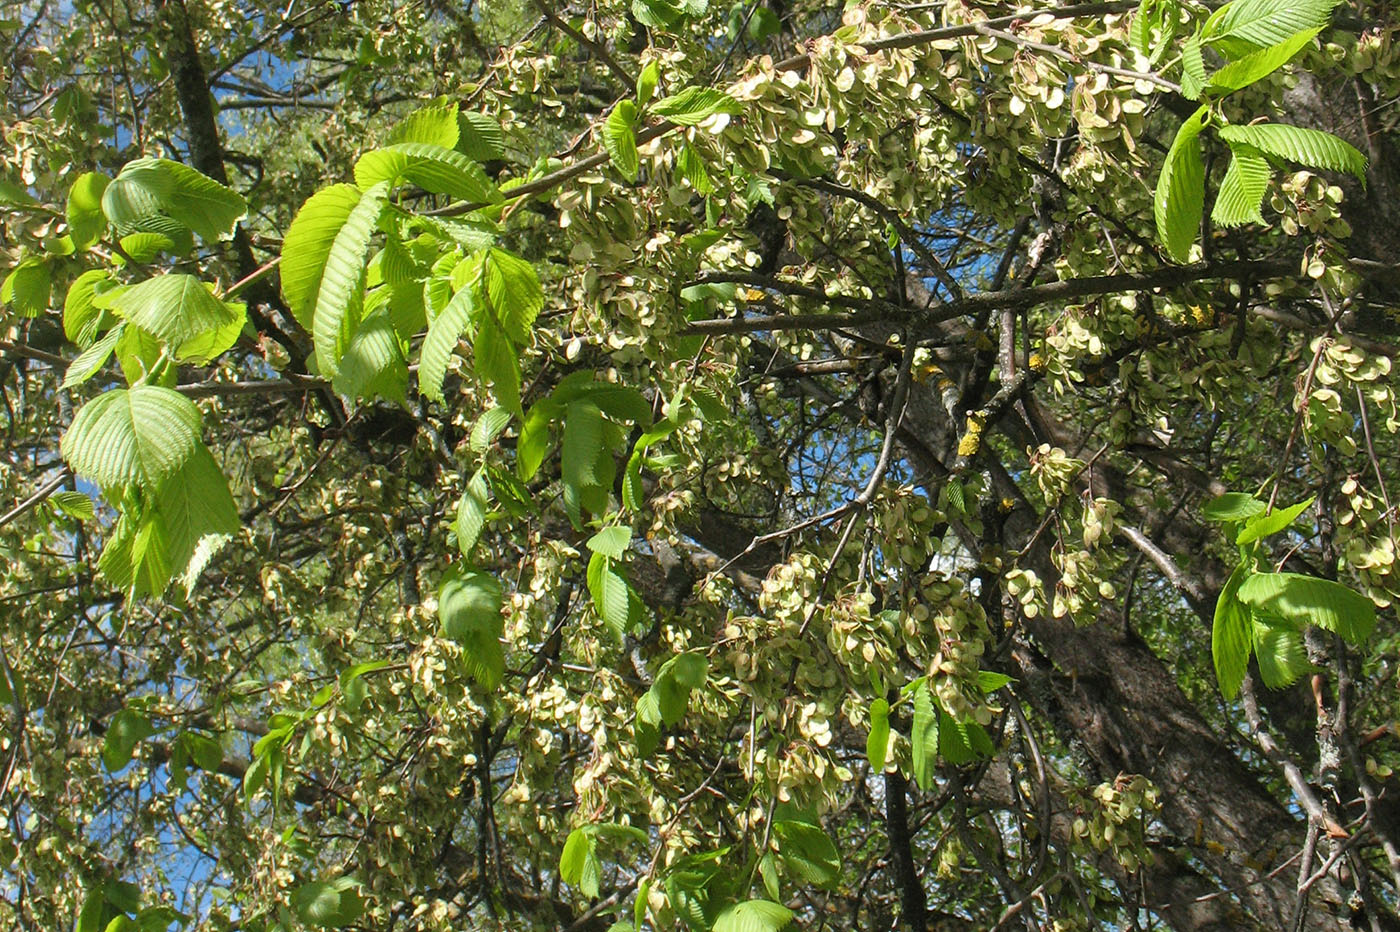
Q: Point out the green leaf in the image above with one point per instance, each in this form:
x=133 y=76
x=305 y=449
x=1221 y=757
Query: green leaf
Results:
x=1260 y=526
x=990 y=681
x=472 y=510
x=498 y=364
x=689 y=669
x=577 y=848
x=1232 y=506
x=86 y=221
x=768 y=870
x=83 y=320
x=308 y=244
x=436 y=126
x=617 y=605
x=692 y=169
x=1280 y=652
x=754 y=916
x=481 y=138
x=646 y=82
x=620 y=138
x=26 y=289
x=1260 y=64
x=373 y=365
x=437 y=169
x=92 y=359
x=533 y=443
x=878 y=742
x=135 y=436
x=126 y=729
x=924 y=737
x=74 y=504
x=148 y=191
x=443 y=334
x=512 y=290
x=1311 y=147
x=583 y=438
x=176 y=309
x=1265 y=22
x=144 y=247
x=469 y=606
x=592 y=875
x=695 y=105
x=207 y=754
x=657 y=14
x=807 y=852
x=329 y=904
x=1193 y=68
x=1302 y=599
x=1242 y=190
x=1180 y=193
x=196 y=514
x=1231 y=636
x=487 y=428
x=611 y=542
x=340 y=296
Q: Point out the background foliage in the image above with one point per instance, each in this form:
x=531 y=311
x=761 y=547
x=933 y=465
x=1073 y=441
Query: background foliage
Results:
x=655 y=464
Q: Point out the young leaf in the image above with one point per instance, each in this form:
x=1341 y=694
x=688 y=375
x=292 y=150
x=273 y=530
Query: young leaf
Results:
x=512 y=290
x=437 y=169
x=571 y=860
x=1231 y=636
x=1242 y=189
x=443 y=333
x=1279 y=649
x=340 y=297
x=754 y=916
x=135 y=436
x=583 y=437
x=328 y=904
x=498 y=364
x=487 y=428
x=1302 y=599
x=148 y=191
x=620 y=138
x=1265 y=22
x=1260 y=526
x=646 y=82
x=611 y=542
x=1232 y=506
x=923 y=736
x=1311 y=147
x=617 y=605
x=176 y=308
x=1260 y=64
x=74 y=505
x=196 y=514
x=1193 y=68
x=471 y=514
x=1180 y=193
x=876 y=746
x=26 y=289
x=126 y=729
x=92 y=359
x=434 y=126
x=480 y=137
x=83 y=320
x=695 y=105
x=86 y=222
x=373 y=365
x=469 y=606
x=807 y=852
x=308 y=244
